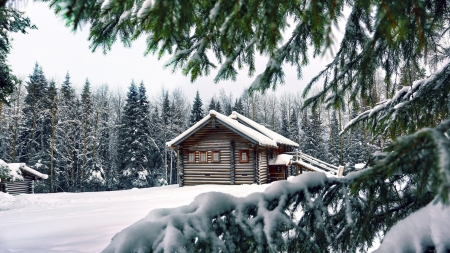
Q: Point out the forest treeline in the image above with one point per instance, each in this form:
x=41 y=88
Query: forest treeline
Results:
x=96 y=139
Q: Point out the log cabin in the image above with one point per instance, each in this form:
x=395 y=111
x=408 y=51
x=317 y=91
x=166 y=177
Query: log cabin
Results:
x=230 y=150
x=18 y=178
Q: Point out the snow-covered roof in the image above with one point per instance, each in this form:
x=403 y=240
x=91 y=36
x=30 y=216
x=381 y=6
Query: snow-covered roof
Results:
x=280 y=139
x=282 y=159
x=256 y=136
x=14 y=170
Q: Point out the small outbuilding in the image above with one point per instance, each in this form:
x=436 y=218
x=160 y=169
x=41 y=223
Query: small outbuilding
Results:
x=228 y=150
x=17 y=178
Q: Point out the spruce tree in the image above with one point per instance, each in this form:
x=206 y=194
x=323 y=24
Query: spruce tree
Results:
x=218 y=107
x=53 y=97
x=11 y=21
x=156 y=159
x=133 y=171
x=238 y=107
x=37 y=126
x=212 y=104
x=294 y=131
x=197 y=110
x=334 y=141
x=86 y=103
x=67 y=135
x=285 y=130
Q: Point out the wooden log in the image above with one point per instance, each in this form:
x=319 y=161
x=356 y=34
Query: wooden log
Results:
x=232 y=163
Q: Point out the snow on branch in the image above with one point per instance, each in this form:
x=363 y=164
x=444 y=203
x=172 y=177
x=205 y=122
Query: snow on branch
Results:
x=424 y=98
x=217 y=221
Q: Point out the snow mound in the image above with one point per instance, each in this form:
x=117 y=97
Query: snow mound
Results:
x=255 y=216
x=427 y=227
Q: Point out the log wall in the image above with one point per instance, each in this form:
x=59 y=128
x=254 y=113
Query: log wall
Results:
x=19 y=187
x=229 y=170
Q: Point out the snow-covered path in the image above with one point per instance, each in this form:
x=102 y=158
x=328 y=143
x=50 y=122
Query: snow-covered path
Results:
x=86 y=222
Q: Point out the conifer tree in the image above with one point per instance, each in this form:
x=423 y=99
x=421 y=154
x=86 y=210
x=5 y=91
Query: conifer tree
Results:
x=156 y=159
x=133 y=170
x=285 y=130
x=11 y=21
x=238 y=107
x=212 y=104
x=218 y=107
x=294 y=131
x=333 y=144
x=197 y=110
x=86 y=104
x=68 y=133
x=53 y=97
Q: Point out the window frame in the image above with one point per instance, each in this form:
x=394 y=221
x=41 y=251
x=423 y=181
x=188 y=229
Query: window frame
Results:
x=212 y=156
x=189 y=155
x=200 y=156
x=247 y=153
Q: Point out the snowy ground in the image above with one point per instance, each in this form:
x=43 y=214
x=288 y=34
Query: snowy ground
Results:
x=86 y=222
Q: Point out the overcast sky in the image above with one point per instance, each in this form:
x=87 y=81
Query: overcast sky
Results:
x=59 y=50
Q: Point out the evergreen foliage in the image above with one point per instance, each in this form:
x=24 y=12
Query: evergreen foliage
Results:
x=11 y=21
x=212 y=104
x=285 y=130
x=294 y=130
x=334 y=141
x=313 y=143
x=218 y=107
x=133 y=171
x=238 y=107
x=197 y=110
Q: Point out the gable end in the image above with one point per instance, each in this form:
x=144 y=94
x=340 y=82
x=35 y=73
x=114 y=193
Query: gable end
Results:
x=191 y=133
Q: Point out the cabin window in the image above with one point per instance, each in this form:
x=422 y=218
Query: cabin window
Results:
x=243 y=156
x=203 y=157
x=216 y=156
x=191 y=157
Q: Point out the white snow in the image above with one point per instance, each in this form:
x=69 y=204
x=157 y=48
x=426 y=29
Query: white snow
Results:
x=252 y=134
x=15 y=173
x=429 y=226
x=359 y=166
x=86 y=222
x=145 y=9
x=271 y=134
x=282 y=159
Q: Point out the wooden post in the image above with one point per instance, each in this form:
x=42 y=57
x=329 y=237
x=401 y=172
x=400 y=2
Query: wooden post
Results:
x=180 y=167
x=255 y=167
x=232 y=163
x=340 y=171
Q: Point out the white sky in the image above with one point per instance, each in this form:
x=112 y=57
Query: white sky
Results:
x=58 y=49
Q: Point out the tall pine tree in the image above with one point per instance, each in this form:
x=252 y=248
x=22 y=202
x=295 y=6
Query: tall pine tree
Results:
x=197 y=110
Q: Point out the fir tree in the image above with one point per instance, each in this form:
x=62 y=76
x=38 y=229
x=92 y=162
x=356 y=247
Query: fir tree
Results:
x=133 y=169
x=68 y=133
x=313 y=137
x=212 y=104
x=238 y=107
x=86 y=104
x=285 y=131
x=197 y=110
x=294 y=131
x=11 y=21
x=218 y=107
x=334 y=142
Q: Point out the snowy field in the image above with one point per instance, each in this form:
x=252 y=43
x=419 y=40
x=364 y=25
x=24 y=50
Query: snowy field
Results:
x=86 y=222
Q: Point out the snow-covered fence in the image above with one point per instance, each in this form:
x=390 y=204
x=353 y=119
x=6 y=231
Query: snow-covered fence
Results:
x=314 y=164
